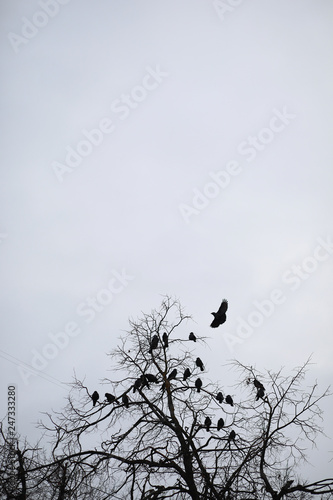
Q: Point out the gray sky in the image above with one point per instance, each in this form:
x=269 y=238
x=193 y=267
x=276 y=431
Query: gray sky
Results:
x=164 y=147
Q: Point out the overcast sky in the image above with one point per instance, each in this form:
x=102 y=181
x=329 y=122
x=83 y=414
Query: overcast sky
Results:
x=157 y=147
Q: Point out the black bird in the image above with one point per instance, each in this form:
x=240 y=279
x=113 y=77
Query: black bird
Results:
x=187 y=374
x=192 y=337
x=125 y=400
x=260 y=393
x=110 y=397
x=199 y=364
x=219 y=397
x=144 y=381
x=173 y=374
x=208 y=423
x=258 y=384
x=229 y=400
x=198 y=384
x=153 y=343
x=151 y=378
x=220 y=316
x=165 y=339
x=232 y=436
x=137 y=384
x=95 y=397
x=220 y=424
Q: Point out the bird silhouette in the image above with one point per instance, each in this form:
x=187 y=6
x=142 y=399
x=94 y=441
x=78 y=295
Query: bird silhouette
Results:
x=260 y=393
x=165 y=339
x=220 y=316
x=137 y=384
x=208 y=423
x=219 y=397
x=232 y=436
x=173 y=374
x=258 y=384
x=187 y=374
x=199 y=364
x=151 y=378
x=94 y=397
x=220 y=424
x=153 y=343
x=229 y=400
x=110 y=398
x=125 y=400
x=192 y=337
x=198 y=384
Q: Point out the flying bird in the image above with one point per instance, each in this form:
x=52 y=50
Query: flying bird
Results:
x=110 y=397
x=94 y=397
x=199 y=364
x=125 y=400
x=198 y=384
x=187 y=374
x=232 y=436
x=151 y=378
x=220 y=424
x=165 y=339
x=220 y=316
x=219 y=397
x=173 y=374
x=153 y=343
x=208 y=423
x=229 y=400
x=192 y=337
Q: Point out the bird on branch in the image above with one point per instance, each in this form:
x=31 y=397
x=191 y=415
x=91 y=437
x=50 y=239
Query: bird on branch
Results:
x=95 y=397
x=198 y=384
x=109 y=397
x=199 y=364
x=229 y=400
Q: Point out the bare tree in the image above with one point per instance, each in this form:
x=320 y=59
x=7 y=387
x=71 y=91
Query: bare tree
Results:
x=159 y=434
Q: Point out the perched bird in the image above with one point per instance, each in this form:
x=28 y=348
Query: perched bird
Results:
x=94 y=397
x=232 y=436
x=110 y=397
x=208 y=423
x=173 y=374
x=220 y=424
x=151 y=378
x=144 y=381
x=153 y=343
x=219 y=397
x=137 y=384
x=229 y=400
x=165 y=339
x=199 y=364
x=220 y=316
x=258 y=384
x=192 y=337
x=125 y=400
x=260 y=393
x=187 y=374
x=198 y=384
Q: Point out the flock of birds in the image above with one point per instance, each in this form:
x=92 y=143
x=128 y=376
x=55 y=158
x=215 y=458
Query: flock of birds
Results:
x=145 y=379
